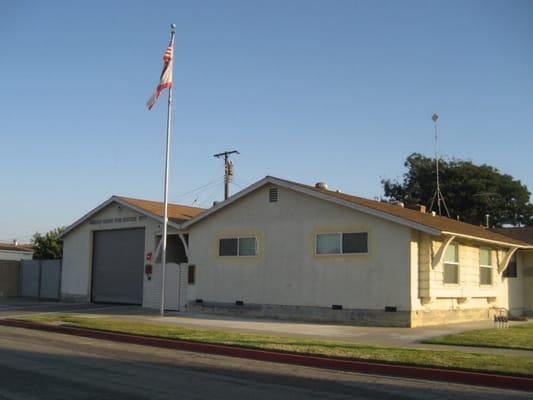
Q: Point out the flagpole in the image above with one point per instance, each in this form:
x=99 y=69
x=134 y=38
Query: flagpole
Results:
x=167 y=162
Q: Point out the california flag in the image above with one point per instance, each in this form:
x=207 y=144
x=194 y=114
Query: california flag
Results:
x=165 y=82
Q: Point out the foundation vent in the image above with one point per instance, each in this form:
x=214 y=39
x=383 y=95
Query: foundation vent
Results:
x=336 y=306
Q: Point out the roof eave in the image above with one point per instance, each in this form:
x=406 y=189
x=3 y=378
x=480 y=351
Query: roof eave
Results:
x=113 y=199
x=480 y=239
x=300 y=189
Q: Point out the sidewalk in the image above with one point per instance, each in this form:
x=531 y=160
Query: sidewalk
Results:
x=376 y=336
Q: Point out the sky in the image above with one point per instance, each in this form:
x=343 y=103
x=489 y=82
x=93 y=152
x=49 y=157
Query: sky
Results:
x=334 y=91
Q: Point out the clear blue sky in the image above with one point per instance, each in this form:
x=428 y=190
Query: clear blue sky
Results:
x=338 y=91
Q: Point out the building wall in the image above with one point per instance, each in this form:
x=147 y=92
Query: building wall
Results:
x=444 y=303
x=78 y=248
x=286 y=271
x=526 y=260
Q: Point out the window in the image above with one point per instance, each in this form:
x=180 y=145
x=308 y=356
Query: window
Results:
x=245 y=246
x=273 y=195
x=511 y=270
x=342 y=243
x=451 y=264
x=191 y=274
x=485 y=267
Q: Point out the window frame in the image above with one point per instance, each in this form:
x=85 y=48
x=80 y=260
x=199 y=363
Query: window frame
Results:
x=454 y=263
x=489 y=267
x=341 y=253
x=238 y=238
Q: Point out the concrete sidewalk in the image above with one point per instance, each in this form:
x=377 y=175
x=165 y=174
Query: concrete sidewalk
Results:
x=378 y=336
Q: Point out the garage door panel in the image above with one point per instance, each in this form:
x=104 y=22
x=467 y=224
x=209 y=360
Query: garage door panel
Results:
x=118 y=258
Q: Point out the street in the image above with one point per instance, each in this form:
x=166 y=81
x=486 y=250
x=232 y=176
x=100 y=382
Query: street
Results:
x=39 y=365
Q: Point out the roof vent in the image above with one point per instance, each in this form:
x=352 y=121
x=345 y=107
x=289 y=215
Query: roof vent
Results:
x=433 y=213
x=321 y=185
x=15 y=242
x=398 y=203
x=215 y=203
x=273 y=195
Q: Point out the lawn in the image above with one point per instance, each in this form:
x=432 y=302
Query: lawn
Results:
x=443 y=359
x=515 y=337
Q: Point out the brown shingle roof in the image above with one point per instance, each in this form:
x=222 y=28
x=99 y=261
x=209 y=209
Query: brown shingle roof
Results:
x=176 y=212
x=12 y=247
x=522 y=234
x=437 y=222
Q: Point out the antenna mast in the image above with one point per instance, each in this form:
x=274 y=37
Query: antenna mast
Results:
x=438 y=197
x=228 y=169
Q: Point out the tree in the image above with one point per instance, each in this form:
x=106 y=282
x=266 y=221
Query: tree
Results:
x=471 y=191
x=48 y=246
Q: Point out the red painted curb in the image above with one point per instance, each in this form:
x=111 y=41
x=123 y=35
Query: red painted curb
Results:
x=457 y=376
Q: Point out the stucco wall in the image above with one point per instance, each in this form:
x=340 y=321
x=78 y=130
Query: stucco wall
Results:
x=77 y=253
x=286 y=270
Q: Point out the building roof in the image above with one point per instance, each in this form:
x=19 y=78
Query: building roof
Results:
x=26 y=248
x=176 y=212
x=443 y=224
x=523 y=234
x=426 y=222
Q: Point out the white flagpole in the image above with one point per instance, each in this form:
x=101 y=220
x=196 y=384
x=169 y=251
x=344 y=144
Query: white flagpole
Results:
x=167 y=167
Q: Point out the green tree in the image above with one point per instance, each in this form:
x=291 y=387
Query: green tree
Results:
x=48 y=246
x=470 y=191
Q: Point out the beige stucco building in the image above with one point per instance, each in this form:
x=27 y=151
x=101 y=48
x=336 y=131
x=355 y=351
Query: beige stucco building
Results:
x=279 y=249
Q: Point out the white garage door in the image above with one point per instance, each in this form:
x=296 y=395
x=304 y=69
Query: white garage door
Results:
x=118 y=261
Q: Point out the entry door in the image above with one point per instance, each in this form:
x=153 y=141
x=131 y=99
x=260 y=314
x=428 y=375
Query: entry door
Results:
x=118 y=261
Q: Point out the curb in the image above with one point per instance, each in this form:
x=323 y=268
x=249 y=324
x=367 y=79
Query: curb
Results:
x=405 y=371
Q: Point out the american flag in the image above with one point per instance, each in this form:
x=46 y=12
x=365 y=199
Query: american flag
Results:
x=165 y=81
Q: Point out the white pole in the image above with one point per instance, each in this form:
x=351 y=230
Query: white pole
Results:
x=167 y=170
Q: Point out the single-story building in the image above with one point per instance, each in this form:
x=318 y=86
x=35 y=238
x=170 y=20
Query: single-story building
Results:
x=281 y=249
x=10 y=256
x=15 y=252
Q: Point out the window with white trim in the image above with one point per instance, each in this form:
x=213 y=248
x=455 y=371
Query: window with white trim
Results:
x=485 y=266
x=342 y=243
x=241 y=246
x=451 y=264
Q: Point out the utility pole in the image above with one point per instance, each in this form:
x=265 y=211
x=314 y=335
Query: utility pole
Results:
x=228 y=169
x=438 y=197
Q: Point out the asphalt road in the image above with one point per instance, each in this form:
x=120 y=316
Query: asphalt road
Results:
x=40 y=365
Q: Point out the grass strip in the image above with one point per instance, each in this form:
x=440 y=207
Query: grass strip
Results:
x=518 y=337
x=508 y=365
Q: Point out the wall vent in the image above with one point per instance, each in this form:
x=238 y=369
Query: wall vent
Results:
x=273 y=195
x=239 y=303
x=337 y=306
x=199 y=301
x=390 y=309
